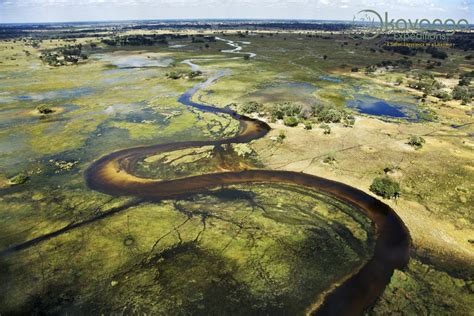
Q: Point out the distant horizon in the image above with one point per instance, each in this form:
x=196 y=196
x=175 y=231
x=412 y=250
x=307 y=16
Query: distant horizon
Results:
x=173 y=20
x=182 y=20
x=76 y=11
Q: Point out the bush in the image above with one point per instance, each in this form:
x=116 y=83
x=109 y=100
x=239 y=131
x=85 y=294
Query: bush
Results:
x=308 y=125
x=385 y=187
x=462 y=93
x=349 y=120
x=250 y=107
x=370 y=69
x=330 y=159
x=290 y=121
x=435 y=53
x=279 y=111
x=44 y=109
x=18 y=179
x=330 y=115
x=194 y=74
x=464 y=81
x=281 y=136
x=174 y=75
x=416 y=141
x=443 y=95
x=326 y=128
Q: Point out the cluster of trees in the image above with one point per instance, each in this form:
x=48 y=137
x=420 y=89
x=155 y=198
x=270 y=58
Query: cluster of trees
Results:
x=463 y=93
x=293 y=113
x=67 y=55
x=199 y=38
x=412 y=51
x=465 y=78
x=427 y=83
x=463 y=40
x=400 y=63
x=137 y=40
x=436 y=53
x=403 y=50
x=183 y=74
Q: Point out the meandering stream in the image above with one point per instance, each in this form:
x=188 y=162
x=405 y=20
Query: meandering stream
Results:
x=113 y=174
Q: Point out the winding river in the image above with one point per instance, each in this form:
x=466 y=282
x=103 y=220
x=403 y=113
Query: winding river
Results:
x=113 y=174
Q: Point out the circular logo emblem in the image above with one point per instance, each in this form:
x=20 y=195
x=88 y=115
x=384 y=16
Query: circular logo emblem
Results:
x=367 y=24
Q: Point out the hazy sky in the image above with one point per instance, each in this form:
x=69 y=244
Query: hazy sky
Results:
x=100 y=10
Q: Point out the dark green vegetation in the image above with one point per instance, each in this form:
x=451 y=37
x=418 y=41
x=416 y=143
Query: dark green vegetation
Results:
x=294 y=113
x=67 y=55
x=326 y=128
x=183 y=74
x=44 y=109
x=416 y=141
x=18 y=179
x=290 y=121
x=136 y=40
x=385 y=187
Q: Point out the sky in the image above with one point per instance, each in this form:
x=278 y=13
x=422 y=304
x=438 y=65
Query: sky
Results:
x=26 y=11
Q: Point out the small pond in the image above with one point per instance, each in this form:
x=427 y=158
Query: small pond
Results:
x=370 y=105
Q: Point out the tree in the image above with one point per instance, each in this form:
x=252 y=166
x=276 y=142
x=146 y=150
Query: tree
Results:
x=462 y=93
x=464 y=81
x=290 y=121
x=281 y=136
x=250 y=107
x=385 y=187
x=326 y=129
x=370 y=69
x=18 y=179
x=416 y=141
x=349 y=120
x=435 y=53
x=280 y=110
x=194 y=74
x=330 y=115
x=44 y=109
x=443 y=95
x=174 y=75
x=330 y=159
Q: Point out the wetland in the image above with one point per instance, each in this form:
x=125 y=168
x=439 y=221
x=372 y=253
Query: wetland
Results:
x=225 y=172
